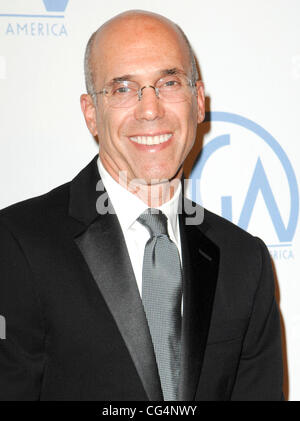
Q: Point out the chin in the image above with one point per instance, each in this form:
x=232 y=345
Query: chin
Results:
x=158 y=173
x=157 y=177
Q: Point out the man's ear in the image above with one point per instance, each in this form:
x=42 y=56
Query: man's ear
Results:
x=89 y=111
x=200 y=100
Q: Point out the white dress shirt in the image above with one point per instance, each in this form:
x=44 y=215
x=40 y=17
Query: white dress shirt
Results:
x=128 y=208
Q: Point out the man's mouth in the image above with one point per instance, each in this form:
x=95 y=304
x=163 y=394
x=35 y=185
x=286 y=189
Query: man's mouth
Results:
x=151 y=140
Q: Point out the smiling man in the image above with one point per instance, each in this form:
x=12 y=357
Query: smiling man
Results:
x=121 y=295
x=147 y=135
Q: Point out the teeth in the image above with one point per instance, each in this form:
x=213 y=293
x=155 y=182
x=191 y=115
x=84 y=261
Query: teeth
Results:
x=151 y=140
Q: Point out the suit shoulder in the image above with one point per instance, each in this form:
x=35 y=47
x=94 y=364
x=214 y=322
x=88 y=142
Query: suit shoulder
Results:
x=36 y=210
x=222 y=224
x=239 y=249
x=227 y=234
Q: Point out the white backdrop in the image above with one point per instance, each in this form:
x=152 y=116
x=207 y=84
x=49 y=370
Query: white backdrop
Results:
x=249 y=56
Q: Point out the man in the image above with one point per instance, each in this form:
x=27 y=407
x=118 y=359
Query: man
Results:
x=110 y=290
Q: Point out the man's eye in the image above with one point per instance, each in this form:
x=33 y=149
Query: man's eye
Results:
x=171 y=84
x=121 y=90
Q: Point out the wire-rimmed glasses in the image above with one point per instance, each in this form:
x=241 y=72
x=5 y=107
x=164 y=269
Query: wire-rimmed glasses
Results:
x=125 y=93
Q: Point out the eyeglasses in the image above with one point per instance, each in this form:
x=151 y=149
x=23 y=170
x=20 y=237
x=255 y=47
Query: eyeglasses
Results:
x=125 y=93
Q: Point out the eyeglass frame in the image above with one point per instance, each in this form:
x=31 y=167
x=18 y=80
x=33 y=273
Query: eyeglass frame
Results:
x=191 y=84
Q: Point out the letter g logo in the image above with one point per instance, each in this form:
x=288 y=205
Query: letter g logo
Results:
x=284 y=221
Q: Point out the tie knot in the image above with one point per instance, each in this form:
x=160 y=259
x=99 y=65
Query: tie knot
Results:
x=155 y=221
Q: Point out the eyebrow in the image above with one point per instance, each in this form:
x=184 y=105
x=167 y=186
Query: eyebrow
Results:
x=173 y=71
x=164 y=72
x=121 y=78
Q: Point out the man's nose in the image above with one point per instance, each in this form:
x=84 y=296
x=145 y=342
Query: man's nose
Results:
x=149 y=106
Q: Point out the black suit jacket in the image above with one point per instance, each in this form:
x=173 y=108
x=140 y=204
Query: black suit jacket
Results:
x=75 y=324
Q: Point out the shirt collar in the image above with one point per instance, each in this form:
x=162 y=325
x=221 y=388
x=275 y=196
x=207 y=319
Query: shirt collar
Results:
x=129 y=207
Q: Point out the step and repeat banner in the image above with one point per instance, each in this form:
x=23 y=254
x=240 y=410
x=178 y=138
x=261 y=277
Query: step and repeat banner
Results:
x=249 y=167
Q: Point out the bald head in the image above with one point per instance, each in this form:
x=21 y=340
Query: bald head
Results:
x=128 y=28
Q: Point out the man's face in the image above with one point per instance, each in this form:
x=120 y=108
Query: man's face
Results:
x=143 y=50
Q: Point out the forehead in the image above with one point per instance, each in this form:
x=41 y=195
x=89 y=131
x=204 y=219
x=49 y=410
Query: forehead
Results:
x=141 y=48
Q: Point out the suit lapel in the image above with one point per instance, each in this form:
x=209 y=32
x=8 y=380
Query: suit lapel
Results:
x=103 y=247
x=200 y=257
x=101 y=242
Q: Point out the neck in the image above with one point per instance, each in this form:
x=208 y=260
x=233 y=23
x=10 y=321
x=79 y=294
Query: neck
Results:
x=155 y=195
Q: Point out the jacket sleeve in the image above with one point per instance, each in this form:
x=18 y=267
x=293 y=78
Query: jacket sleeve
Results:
x=260 y=371
x=22 y=348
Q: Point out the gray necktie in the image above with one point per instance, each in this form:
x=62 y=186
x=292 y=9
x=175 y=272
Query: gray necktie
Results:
x=161 y=295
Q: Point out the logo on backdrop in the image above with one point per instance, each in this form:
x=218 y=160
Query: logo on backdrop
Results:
x=258 y=184
x=55 y=5
x=47 y=21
